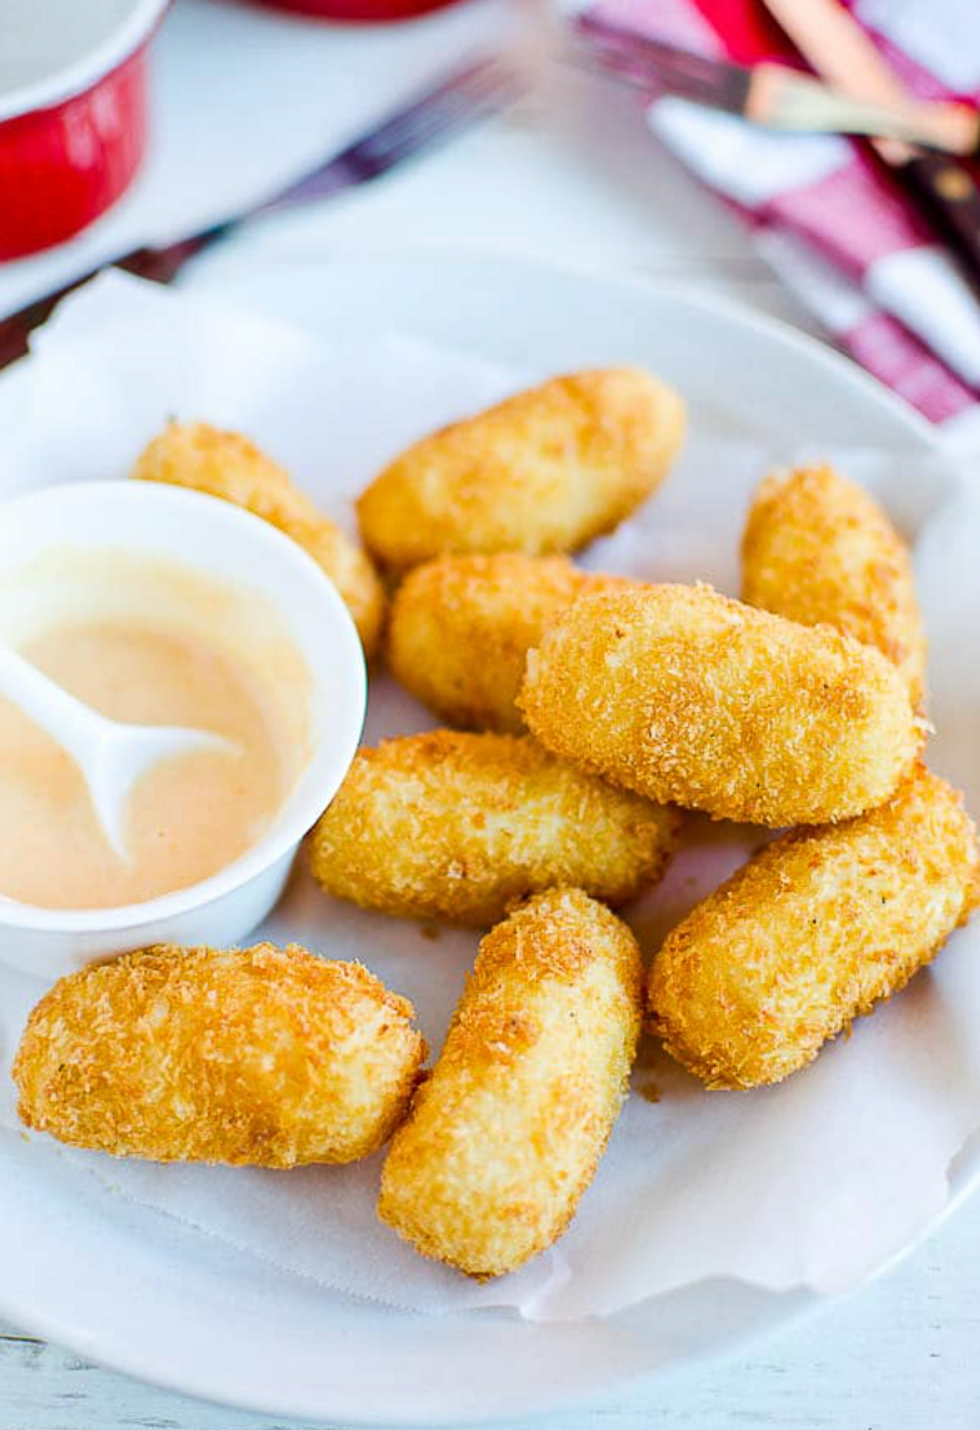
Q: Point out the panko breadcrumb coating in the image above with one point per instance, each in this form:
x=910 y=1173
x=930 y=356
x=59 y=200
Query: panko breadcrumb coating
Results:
x=459 y=827
x=461 y=627
x=693 y=699
x=261 y=1056
x=545 y=471
x=817 y=548
x=812 y=933
x=505 y=1136
x=227 y=465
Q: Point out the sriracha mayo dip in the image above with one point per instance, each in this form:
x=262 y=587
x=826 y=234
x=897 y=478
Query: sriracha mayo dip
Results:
x=145 y=642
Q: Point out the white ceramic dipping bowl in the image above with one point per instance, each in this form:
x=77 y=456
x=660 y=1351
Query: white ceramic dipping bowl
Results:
x=230 y=549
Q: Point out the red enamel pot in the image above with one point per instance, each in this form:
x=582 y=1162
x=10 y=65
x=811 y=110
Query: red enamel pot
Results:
x=72 y=114
x=364 y=11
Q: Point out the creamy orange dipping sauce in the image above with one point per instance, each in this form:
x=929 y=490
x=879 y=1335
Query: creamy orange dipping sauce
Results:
x=148 y=641
x=187 y=818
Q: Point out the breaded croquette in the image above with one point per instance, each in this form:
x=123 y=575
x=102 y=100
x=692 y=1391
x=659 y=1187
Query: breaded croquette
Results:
x=817 y=548
x=461 y=626
x=459 y=827
x=543 y=472
x=812 y=933
x=261 y=1056
x=507 y=1133
x=226 y=465
x=696 y=700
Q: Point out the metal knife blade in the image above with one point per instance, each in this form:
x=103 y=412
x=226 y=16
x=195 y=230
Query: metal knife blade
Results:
x=647 y=62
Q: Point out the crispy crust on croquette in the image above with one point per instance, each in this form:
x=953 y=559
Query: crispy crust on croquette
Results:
x=812 y=933
x=460 y=827
x=690 y=698
x=545 y=471
x=229 y=466
x=261 y=1056
x=506 y=1134
x=817 y=549
x=461 y=626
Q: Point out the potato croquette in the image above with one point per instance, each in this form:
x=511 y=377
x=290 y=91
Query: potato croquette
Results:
x=696 y=700
x=811 y=934
x=505 y=1136
x=817 y=548
x=460 y=629
x=543 y=472
x=260 y=1056
x=226 y=465
x=459 y=827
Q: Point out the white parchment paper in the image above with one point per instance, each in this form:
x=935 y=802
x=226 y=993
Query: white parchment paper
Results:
x=814 y=1183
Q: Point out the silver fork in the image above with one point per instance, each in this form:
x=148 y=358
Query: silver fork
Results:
x=459 y=100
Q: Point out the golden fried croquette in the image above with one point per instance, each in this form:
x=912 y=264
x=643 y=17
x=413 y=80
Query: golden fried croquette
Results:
x=545 y=471
x=260 y=1056
x=811 y=933
x=817 y=548
x=459 y=827
x=461 y=626
x=505 y=1136
x=226 y=465
x=693 y=699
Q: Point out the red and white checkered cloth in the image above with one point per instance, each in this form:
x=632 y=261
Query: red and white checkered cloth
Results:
x=826 y=215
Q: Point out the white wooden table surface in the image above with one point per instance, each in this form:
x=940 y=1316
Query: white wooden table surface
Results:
x=242 y=99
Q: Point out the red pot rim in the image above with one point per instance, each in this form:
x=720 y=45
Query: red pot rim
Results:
x=84 y=72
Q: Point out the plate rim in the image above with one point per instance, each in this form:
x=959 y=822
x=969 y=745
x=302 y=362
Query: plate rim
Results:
x=198 y=275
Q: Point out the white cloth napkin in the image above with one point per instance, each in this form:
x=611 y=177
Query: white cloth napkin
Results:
x=814 y=1183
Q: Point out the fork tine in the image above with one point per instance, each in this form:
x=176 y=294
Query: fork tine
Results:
x=462 y=99
x=458 y=101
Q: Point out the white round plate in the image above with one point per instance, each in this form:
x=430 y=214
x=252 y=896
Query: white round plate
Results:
x=141 y=1294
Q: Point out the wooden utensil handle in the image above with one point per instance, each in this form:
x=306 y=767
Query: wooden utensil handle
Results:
x=949 y=194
